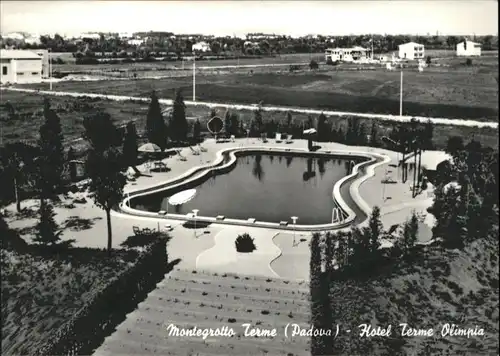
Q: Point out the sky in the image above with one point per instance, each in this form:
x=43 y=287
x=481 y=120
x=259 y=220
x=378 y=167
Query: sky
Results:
x=71 y=17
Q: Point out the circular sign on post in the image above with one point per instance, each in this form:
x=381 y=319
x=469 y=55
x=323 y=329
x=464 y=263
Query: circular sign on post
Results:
x=215 y=125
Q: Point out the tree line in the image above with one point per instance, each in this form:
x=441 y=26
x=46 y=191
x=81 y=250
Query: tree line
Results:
x=40 y=170
x=165 y=42
x=465 y=208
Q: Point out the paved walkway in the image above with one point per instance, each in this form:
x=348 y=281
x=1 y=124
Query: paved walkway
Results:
x=223 y=257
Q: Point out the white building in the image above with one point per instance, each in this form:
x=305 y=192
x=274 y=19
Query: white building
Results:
x=90 y=36
x=201 y=47
x=135 y=42
x=20 y=66
x=345 y=54
x=14 y=36
x=411 y=50
x=32 y=40
x=468 y=48
x=44 y=53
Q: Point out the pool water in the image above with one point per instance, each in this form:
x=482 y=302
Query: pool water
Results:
x=266 y=187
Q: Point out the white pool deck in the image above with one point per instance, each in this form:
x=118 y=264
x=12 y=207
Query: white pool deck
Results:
x=212 y=248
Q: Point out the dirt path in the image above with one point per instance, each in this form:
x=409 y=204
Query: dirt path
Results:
x=442 y=121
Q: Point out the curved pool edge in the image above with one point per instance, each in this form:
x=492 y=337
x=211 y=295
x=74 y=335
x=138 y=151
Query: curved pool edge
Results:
x=374 y=160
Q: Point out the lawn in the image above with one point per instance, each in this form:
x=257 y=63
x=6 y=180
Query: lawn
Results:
x=72 y=110
x=440 y=91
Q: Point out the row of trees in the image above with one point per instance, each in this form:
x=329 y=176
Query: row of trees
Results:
x=165 y=42
x=349 y=254
x=465 y=208
x=466 y=200
x=177 y=129
x=41 y=169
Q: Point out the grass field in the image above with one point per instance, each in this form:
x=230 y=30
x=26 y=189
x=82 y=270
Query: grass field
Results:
x=456 y=91
x=72 y=110
x=71 y=66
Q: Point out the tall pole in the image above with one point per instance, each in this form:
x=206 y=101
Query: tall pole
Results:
x=194 y=77
x=294 y=219
x=401 y=94
x=50 y=71
x=372 y=47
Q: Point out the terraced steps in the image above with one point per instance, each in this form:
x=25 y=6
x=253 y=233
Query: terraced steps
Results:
x=192 y=299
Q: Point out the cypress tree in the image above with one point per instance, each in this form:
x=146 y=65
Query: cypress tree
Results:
x=47 y=233
x=322 y=128
x=258 y=121
x=374 y=135
x=227 y=123
x=235 y=124
x=196 y=130
x=289 y=120
x=130 y=146
x=319 y=297
x=155 y=125
x=179 y=125
x=51 y=161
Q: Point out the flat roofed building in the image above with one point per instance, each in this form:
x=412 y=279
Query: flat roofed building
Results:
x=20 y=66
x=44 y=53
x=345 y=54
x=468 y=48
x=411 y=51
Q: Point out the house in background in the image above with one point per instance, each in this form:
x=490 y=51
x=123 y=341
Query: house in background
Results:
x=44 y=53
x=345 y=54
x=411 y=51
x=201 y=47
x=468 y=48
x=20 y=66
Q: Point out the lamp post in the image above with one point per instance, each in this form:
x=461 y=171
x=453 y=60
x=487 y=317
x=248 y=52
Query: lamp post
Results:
x=385 y=183
x=50 y=71
x=401 y=93
x=194 y=76
x=294 y=219
x=195 y=214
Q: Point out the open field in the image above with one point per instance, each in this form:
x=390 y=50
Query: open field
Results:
x=71 y=66
x=25 y=124
x=452 y=92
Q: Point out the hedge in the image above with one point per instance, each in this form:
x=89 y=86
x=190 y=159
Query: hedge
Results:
x=88 y=328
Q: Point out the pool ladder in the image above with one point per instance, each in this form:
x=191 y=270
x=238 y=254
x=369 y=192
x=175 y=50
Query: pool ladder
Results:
x=338 y=214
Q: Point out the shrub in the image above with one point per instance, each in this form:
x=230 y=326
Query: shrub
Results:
x=313 y=64
x=244 y=243
x=468 y=62
x=428 y=60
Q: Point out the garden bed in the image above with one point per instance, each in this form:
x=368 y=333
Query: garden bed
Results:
x=52 y=304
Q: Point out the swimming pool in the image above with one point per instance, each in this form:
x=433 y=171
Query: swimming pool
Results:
x=266 y=186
